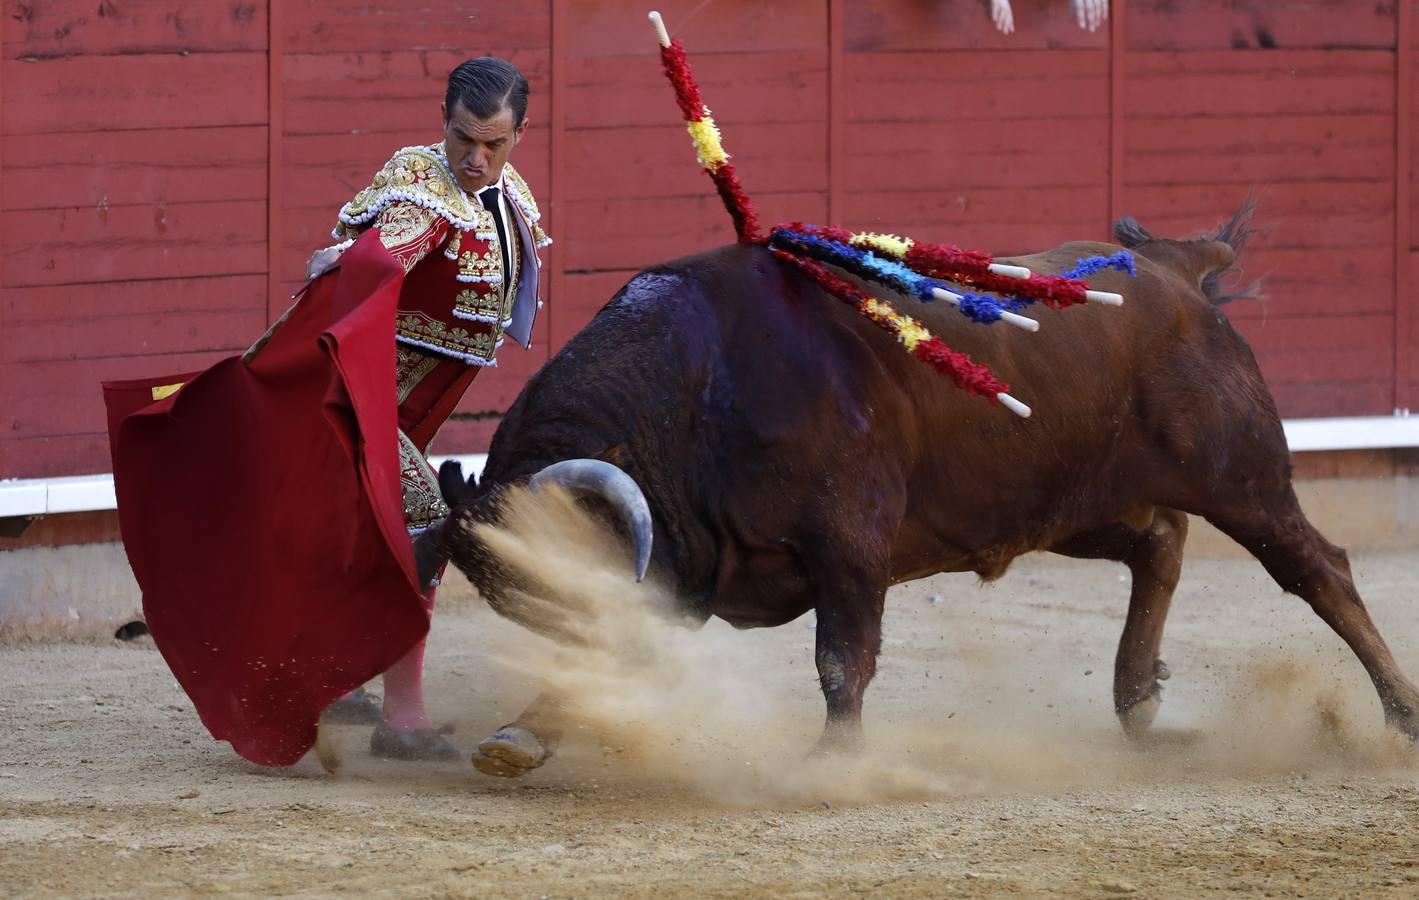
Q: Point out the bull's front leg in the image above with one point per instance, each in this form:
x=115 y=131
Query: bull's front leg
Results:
x=849 y=639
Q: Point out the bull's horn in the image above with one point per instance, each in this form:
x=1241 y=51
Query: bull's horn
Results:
x=615 y=487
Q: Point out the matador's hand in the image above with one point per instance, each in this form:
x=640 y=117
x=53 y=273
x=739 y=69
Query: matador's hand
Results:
x=320 y=262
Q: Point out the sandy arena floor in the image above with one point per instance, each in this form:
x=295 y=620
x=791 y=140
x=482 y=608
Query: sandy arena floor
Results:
x=995 y=765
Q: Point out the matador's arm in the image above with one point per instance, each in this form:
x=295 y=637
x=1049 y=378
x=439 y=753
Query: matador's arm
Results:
x=407 y=230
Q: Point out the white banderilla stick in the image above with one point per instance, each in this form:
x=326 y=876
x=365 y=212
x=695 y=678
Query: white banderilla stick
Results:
x=1013 y=405
x=1105 y=298
x=660 y=33
x=1009 y=318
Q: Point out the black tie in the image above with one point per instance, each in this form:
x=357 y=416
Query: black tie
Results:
x=489 y=197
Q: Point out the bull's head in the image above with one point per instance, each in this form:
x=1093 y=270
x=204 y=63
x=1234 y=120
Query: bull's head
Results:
x=592 y=478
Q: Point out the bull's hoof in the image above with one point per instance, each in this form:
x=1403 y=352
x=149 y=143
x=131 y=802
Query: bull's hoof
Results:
x=1403 y=720
x=1137 y=719
x=511 y=752
x=838 y=742
x=388 y=742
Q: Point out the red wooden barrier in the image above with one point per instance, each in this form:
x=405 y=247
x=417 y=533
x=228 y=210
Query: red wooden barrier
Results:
x=167 y=166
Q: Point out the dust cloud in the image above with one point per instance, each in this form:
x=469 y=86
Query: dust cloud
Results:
x=668 y=705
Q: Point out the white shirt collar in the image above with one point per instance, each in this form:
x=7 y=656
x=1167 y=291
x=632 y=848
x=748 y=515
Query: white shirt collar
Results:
x=497 y=184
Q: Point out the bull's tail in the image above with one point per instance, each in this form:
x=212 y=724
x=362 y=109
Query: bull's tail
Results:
x=709 y=148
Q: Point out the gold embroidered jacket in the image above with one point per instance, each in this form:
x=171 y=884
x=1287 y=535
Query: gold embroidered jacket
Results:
x=454 y=302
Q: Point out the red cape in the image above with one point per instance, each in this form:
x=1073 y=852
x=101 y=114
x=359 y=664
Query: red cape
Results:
x=261 y=510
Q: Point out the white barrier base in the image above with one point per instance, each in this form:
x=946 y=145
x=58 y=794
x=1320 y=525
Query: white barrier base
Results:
x=84 y=493
x=81 y=493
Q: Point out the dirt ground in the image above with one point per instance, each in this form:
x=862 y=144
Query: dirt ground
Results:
x=995 y=764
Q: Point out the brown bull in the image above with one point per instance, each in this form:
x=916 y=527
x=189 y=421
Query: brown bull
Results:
x=793 y=458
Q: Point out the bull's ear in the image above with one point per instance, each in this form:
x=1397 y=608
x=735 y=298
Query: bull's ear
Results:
x=452 y=485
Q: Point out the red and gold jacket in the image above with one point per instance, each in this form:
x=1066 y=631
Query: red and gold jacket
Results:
x=454 y=302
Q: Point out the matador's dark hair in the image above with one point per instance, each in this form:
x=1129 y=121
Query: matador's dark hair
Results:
x=485 y=85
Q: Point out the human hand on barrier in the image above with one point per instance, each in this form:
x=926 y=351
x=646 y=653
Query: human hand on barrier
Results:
x=1090 y=14
x=1002 y=15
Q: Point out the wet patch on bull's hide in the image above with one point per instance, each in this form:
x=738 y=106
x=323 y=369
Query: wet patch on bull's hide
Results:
x=660 y=705
x=647 y=288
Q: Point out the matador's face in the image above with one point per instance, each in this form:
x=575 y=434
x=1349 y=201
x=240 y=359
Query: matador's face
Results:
x=479 y=148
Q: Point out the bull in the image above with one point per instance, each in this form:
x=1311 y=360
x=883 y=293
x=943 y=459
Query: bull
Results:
x=787 y=456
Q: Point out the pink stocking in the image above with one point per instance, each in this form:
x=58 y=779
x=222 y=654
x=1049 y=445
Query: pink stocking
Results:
x=404 y=686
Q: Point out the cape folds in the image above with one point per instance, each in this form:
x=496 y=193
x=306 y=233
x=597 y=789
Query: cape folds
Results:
x=261 y=509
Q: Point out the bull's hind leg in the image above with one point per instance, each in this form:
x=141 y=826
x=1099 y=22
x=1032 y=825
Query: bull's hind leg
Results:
x=1154 y=557
x=1304 y=563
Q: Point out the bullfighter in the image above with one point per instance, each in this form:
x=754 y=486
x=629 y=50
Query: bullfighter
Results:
x=464 y=225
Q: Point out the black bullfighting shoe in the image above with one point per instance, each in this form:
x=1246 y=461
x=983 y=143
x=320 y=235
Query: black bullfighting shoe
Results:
x=355 y=708
x=388 y=742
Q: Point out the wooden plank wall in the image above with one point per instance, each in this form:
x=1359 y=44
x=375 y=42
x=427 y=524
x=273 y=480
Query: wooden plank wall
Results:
x=132 y=208
x=1297 y=99
x=167 y=166
x=954 y=132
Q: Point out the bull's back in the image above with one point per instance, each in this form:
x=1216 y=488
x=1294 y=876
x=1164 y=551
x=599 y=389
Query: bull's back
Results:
x=736 y=343
x=729 y=334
